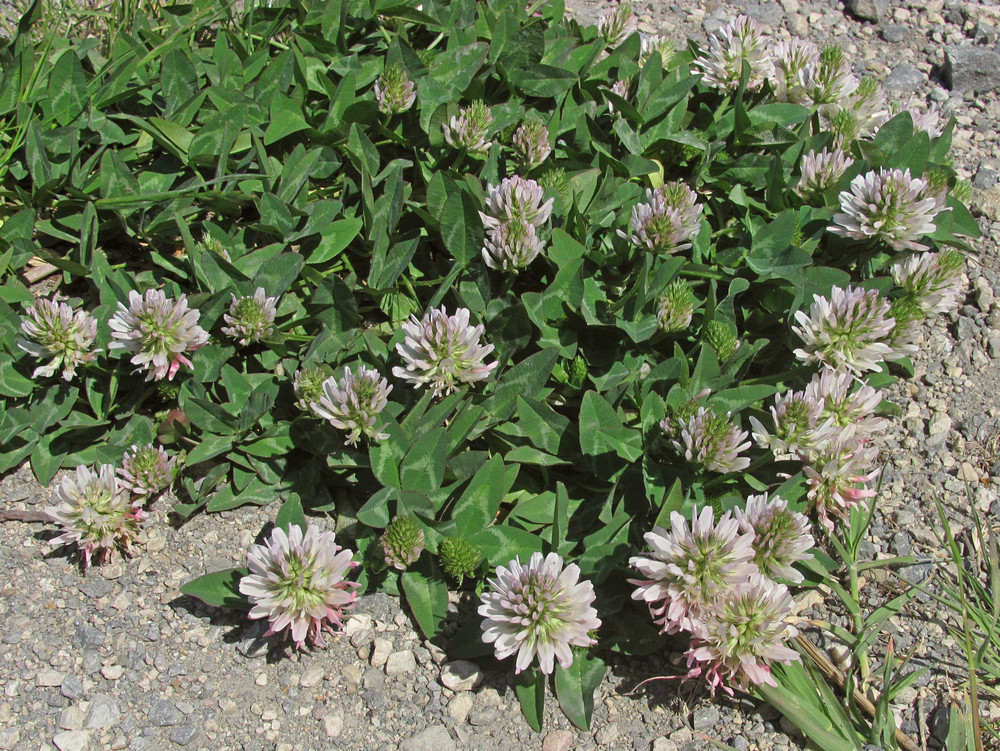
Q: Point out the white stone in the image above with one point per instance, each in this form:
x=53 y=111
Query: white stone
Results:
x=400 y=663
x=558 y=740
x=71 y=718
x=49 y=678
x=311 y=677
x=333 y=724
x=112 y=672
x=381 y=649
x=461 y=675
x=460 y=706
x=940 y=423
x=72 y=740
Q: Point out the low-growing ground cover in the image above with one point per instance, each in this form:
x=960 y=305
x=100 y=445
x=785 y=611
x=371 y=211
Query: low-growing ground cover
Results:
x=480 y=285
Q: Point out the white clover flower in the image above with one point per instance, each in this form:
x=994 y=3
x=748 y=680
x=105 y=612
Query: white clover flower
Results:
x=59 y=332
x=308 y=386
x=781 y=536
x=675 y=307
x=829 y=80
x=933 y=281
x=617 y=24
x=516 y=199
x=835 y=473
x=157 y=331
x=887 y=205
x=443 y=351
x=799 y=425
x=251 y=317
x=467 y=131
x=95 y=512
x=850 y=330
x=394 y=91
x=844 y=407
x=146 y=470
x=821 y=171
x=538 y=609
x=856 y=116
x=298 y=581
x=353 y=403
x=512 y=245
x=927 y=120
x=738 y=639
x=531 y=142
x=667 y=221
x=791 y=59
x=655 y=44
x=621 y=88
x=722 y=64
x=690 y=569
x=711 y=440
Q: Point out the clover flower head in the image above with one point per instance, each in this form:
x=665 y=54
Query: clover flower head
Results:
x=59 y=332
x=146 y=470
x=712 y=441
x=689 y=568
x=720 y=336
x=353 y=403
x=722 y=64
x=251 y=317
x=675 y=306
x=856 y=116
x=934 y=281
x=821 y=171
x=402 y=542
x=443 y=351
x=458 y=557
x=512 y=245
x=622 y=88
x=829 y=80
x=904 y=334
x=848 y=331
x=531 y=142
x=887 y=205
x=516 y=199
x=297 y=580
x=799 y=426
x=158 y=332
x=211 y=244
x=835 y=473
x=792 y=57
x=308 y=385
x=739 y=639
x=845 y=406
x=781 y=536
x=927 y=120
x=617 y=24
x=668 y=219
x=538 y=609
x=654 y=44
x=394 y=91
x=467 y=130
x=95 y=512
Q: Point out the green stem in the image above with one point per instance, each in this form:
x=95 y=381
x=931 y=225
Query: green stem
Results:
x=859 y=622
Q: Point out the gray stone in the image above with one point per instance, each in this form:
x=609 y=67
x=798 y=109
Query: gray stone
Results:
x=971 y=68
x=164 y=714
x=903 y=79
x=484 y=717
x=95 y=589
x=705 y=718
x=740 y=743
x=72 y=740
x=712 y=25
x=461 y=675
x=183 y=735
x=333 y=724
x=984 y=32
x=9 y=738
x=869 y=10
x=434 y=738
x=985 y=179
x=253 y=644
x=48 y=678
x=768 y=14
x=88 y=637
x=664 y=744
x=917 y=572
x=311 y=677
x=71 y=687
x=102 y=713
x=893 y=32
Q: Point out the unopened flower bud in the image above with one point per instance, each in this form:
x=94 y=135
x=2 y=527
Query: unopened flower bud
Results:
x=722 y=339
x=459 y=558
x=402 y=542
x=394 y=91
x=675 y=307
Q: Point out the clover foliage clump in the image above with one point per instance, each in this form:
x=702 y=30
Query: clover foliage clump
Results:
x=572 y=318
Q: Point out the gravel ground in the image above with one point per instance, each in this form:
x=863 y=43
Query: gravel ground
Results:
x=118 y=659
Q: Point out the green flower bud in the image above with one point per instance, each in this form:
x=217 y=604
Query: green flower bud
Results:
x=722 y=339
x=402 y=542
x=458 y=557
